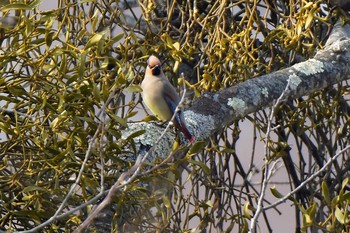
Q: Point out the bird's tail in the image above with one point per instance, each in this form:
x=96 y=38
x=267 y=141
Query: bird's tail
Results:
x=180 y=124
x=187 y=134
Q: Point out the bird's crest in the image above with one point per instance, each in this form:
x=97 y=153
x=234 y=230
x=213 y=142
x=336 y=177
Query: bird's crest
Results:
x=154 y=65
x=153 y=61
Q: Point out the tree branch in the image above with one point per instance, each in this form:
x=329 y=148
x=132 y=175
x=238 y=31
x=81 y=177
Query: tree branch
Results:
x=330 y=65
x=212 y=111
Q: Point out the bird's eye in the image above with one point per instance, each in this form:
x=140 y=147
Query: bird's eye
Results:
x=156 y=70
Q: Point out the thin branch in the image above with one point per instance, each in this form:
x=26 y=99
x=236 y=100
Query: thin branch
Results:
x=91 y=145
x=71 y=190
x=127 y=177
x=312 y=177
x=15 y=112
x=268 y=172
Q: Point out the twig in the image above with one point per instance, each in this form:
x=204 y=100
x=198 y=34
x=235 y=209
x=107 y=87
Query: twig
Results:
x=313 y=176
x=15 y=112
x=128 y=176
x=268 y=172
x=77 y=181
x=72 y=188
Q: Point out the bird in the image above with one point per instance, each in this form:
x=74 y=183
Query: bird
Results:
x=161 y=97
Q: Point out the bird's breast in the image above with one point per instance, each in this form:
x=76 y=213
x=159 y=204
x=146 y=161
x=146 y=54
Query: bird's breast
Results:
x=154 y=99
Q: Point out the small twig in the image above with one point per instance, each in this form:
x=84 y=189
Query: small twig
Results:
x=268 y=171
x=71 y=190
x=77 y=181
x=127 y=177
x=101 y=149
x=313 y=176
x=15 y=112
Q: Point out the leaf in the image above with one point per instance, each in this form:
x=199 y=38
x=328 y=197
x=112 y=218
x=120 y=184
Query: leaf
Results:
x=299 y=28
x=5 y=127
x=308 y=220
x=21 y=6
x=133 y=88
x=176 y=66
x=196 y=148
x=49 y=38
x=94 y=39
x=115 y=39
x=207 y=77
x=131 y=114
x=247 y=210
x=275 y=192
x=325 y=191
x=204 y=167
x=176 y=45
x=167 y=39
x=228 y=150
x=96 y=92
x=33 y=188
x=17 y=90
x=210 y=203
x=245 y=226
x=346 y=197
x=63 y=66
x=136 y=134
x=309 y=19
x=89 y=183
x=120 y=120
x=311 y=211
x=81 y=68
x=345 y=182
x=166 y=201
x=16 y=6
x=149 y=118
x=340 y=215
x=27 y=197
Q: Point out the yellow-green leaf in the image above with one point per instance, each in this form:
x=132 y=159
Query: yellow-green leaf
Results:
x=345 y=182
x=33 y=188
x=115 y=39
x=308 y=219
x=21 y=6
x=309 y=19
x=246 y=210
x=196 y=148
x=275 y=192
x=176 y=66
x=325 y=191
x=204 y=167
x=133 y=88
x=340 y=215
x=136 y=134
x=177 y=46
x=120 y=120
x=166 y=201
x=94 y=39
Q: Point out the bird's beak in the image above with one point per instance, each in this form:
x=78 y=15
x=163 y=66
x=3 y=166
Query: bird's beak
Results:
x=156 y=70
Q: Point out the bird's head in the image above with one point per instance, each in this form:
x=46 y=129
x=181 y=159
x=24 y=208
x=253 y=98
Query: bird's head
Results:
x=154 y=65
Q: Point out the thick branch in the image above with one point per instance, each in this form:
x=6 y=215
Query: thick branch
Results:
x=212 y=111
x=329 y=66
